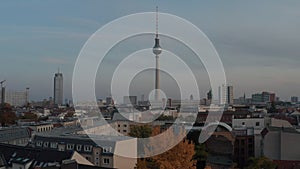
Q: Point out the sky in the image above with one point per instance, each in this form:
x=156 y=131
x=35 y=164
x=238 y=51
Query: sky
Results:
x=257 y=41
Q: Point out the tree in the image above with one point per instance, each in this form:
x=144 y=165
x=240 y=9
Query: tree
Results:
x=7 y=116
x=30 y=116
x=262 y=162
x=180 y=156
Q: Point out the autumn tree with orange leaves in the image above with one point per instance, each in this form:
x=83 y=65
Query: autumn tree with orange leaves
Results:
x=180 y=156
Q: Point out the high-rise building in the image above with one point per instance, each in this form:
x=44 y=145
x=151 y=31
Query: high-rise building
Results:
x=294 y=99
x=58 y=88
x=230 y=95
x=225 y=94
x=209 y=95
x=16 y=98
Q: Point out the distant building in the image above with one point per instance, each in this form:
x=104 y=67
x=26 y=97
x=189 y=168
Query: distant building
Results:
x=230 y=95
x=130 y=100
x=225 y=94
x=294 y=99
x=58 y=88
x=209 y=95
x=263 y=97
x=109 y=101
x=16 y=98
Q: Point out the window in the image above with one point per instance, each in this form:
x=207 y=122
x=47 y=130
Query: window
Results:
x=88 y=148
x=257 y=124
x=53 y=145
x=39 y=143
x=119 y=125
x=78 y=147
x=125 y=125
x=243 y=123
x=124 y=131
x=105 y=160
x=46 y=144
x=70 y=146
x=107 y=149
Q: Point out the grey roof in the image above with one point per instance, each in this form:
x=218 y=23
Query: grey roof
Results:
x=81 y=139
x=8 y=134
x=18 y=154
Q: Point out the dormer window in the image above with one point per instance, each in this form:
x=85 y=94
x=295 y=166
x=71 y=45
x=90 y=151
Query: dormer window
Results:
x=78 y=147
x=39 y=143
x=107 y=149
x=46 y=144
x=53 y=145
x=87 y=148
x=70 y=146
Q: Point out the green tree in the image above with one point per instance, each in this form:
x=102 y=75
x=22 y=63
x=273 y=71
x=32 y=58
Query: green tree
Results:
x=262 y=162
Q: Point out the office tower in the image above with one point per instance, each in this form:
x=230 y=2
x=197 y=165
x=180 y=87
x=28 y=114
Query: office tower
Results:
x=2 y=93
x=58 y=88
x=157 y=50
x=209 y=95
x=230 y=95
x=225 y=94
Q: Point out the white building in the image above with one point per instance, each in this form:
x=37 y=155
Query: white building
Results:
x=16 y=98
x=225 y=94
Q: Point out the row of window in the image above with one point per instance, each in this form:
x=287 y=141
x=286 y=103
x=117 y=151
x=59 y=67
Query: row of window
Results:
x=87 y=148
x=41 y=129
x=78 y=147
x=105 y=160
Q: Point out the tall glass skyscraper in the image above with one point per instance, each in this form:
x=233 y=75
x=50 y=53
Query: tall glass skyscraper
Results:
x=58 y=88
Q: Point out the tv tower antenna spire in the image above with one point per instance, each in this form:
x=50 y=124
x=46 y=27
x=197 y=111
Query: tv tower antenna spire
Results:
x=157 y=50
x=156 y=22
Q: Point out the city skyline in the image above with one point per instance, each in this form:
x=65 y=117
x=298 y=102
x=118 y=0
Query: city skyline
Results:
x=247 y=44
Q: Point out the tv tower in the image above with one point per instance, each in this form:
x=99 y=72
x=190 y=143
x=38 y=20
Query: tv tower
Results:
x=157 y=50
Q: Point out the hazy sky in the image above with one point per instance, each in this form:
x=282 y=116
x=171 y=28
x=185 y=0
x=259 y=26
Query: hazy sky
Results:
x=258 y=41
